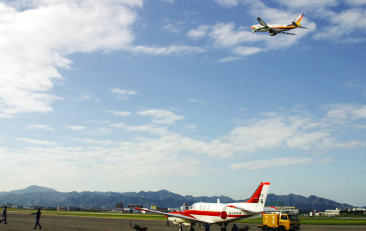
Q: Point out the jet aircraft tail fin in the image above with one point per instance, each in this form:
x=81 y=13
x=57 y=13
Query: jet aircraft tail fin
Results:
x=297 y=21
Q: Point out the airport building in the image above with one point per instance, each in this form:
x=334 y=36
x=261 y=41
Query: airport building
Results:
x=332 y=213
x=288 y=209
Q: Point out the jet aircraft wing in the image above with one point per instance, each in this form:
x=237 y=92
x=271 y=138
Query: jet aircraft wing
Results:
x=263 y=23
x=178 y=215
x=286 y=33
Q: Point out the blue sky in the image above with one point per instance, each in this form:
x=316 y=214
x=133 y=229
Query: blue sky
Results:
x=131 y=95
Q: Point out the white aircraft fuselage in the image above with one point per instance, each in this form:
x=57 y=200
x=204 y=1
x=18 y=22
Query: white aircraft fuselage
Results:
x=213 y=213
x=277 y=28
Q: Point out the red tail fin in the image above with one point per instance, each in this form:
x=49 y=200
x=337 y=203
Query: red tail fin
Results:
x=256 y=195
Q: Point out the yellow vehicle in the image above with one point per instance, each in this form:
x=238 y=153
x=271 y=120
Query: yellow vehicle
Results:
x=280 y=222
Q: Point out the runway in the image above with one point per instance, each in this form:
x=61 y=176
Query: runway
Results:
x=20 y=221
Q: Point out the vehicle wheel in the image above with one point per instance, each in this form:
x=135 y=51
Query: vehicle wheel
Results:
x=265 y=228
x=282 y=228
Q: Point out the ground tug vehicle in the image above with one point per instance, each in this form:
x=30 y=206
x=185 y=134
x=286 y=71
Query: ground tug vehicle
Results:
x=280 y=222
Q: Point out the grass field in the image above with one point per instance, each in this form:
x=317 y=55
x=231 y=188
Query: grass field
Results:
x=321 y=220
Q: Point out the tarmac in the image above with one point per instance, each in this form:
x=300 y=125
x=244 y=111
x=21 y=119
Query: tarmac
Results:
x=22 y=221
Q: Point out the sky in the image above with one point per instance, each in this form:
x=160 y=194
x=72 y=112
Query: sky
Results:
x=131 y=95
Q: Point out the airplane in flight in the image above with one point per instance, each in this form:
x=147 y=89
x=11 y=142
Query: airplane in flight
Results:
x=274 y=29
x=219 y=213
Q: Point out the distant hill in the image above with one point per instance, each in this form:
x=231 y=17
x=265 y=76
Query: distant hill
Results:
x=30 y=189
x=42 y=196
x=307 y=203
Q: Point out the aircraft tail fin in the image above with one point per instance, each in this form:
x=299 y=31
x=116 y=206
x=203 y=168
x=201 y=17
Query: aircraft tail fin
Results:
x=260 y=195
x=297 y=21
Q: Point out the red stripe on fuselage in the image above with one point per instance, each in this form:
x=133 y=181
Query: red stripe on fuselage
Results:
x=199 y=213
x=195 y=213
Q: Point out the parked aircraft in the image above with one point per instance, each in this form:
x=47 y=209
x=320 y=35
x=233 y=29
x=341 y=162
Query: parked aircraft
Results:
x=219 y=213
x=274 y=29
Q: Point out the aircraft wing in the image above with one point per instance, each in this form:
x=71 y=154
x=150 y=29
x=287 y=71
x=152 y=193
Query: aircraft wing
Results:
x=263 y=23
x=286 y=33
x=178 y=215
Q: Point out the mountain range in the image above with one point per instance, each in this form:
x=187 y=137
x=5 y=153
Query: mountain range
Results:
x=42 y=196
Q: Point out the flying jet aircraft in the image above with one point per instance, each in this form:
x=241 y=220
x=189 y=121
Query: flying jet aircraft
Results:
x=219 y=213
x=274 y=29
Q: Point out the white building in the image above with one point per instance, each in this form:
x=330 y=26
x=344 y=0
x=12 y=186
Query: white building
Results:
x=332 y=213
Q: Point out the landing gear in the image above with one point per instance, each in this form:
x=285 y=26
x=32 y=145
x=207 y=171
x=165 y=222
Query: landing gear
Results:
x=191 y=229
x=180 y=228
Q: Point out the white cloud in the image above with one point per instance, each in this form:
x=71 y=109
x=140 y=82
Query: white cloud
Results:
x=278 y=162
x=99 y=131
x=229 y=59
x=122 y=94
x=167 y=50
x=35 y=42
x=94 y=142
x=200 y=32
x=161 y=116
x=244 y=51
x=344 y=112
x=356 y=2
x=153 y=130
x=88 y=97
x=38 y=142
x=172 y=28
x=75 y=128
x=308 y=4
x=347 y=26
x=38 y=126
x=226 y=35
x=121 y=113
x=166 y=154
x=228 y=3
